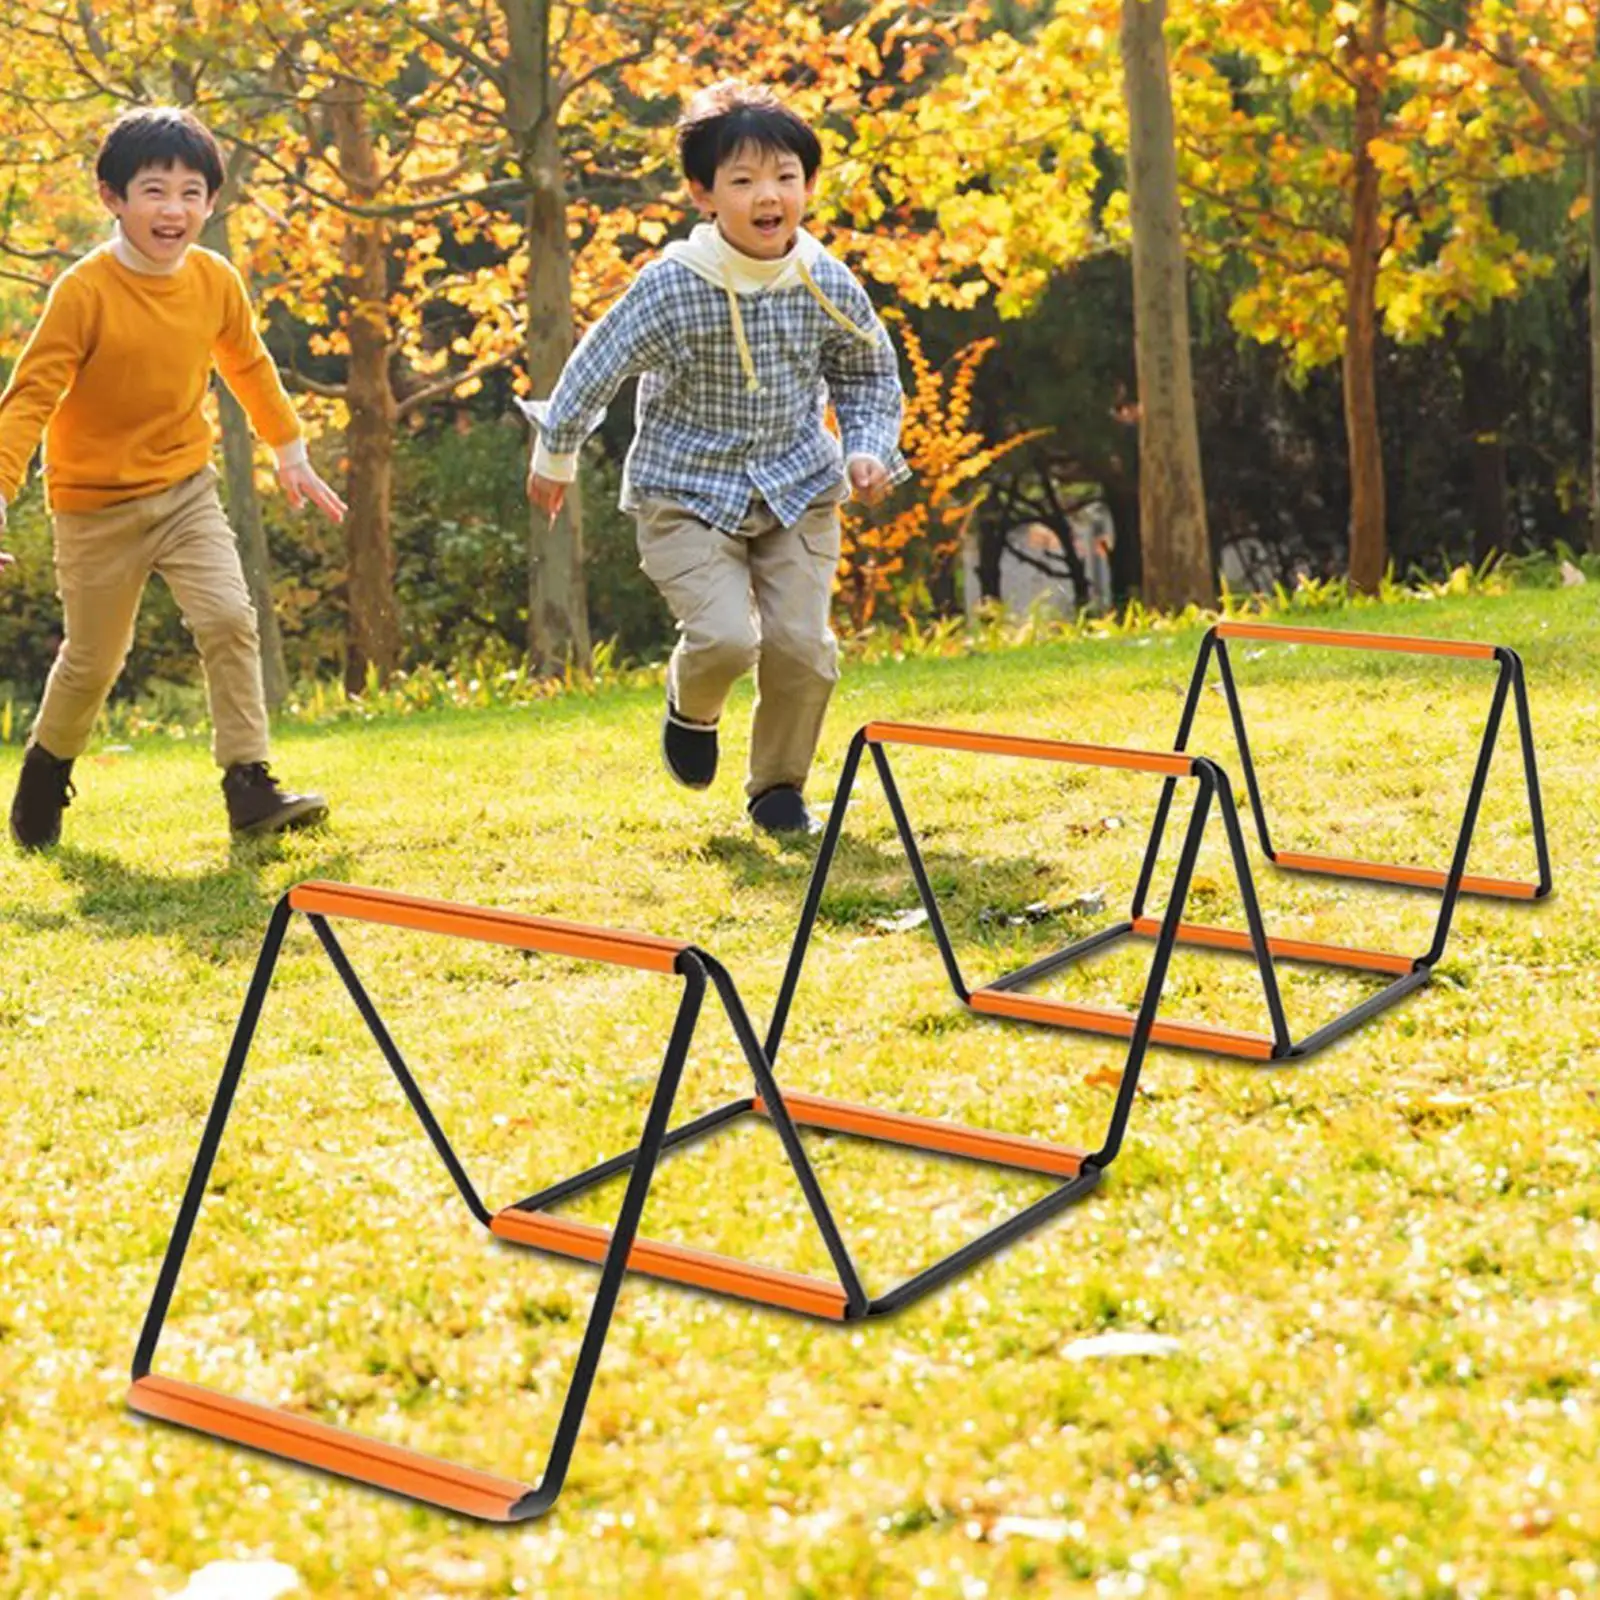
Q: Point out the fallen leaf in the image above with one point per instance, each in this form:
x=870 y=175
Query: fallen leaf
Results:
x=240 y=1580
x=1121 y=1344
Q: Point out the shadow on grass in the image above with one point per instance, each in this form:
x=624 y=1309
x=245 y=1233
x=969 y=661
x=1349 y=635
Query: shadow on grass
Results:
x=218 y=914
x=868 y=881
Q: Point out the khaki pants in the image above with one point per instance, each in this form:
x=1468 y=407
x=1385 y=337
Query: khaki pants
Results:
x=759 y=597
x=103 y=560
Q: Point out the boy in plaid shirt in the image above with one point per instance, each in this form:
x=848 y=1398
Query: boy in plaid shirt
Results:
x=741 y=336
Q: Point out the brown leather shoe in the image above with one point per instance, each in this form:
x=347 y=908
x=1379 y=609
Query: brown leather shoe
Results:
x=257 y=805
x=44 y=791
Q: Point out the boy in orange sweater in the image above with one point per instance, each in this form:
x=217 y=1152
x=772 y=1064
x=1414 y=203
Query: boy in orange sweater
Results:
x=115 y=375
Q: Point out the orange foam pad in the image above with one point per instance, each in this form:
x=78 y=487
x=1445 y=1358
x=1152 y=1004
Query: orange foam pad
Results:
x=1404 y=643
x=316 y=1444
x=1414 y=877
x=699 y=1269
x=928 y=1133
x=1097 y=1019
x=1005 y=744
x=517 y=929
x=1330 y=955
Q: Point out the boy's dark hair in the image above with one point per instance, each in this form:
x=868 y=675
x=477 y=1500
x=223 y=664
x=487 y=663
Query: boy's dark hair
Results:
x=157 y=136
x=721 y=120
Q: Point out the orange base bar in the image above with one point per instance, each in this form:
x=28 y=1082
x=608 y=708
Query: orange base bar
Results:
x=315 y=1444
x=699 y=1269
x=1412 y=877
x=1330 y=955
x=1098 y=1019
x=928 y=1133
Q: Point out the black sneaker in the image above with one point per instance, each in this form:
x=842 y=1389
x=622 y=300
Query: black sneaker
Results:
x=257 y=805
x=689 y=749
x=44 y=791
x=781 y=809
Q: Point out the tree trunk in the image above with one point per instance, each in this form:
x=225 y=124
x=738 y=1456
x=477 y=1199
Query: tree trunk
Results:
x=558 y=619
x=372 y=619
x=1594 y=314
x=1368 y=529
x=244 y=508
x=1172 y=512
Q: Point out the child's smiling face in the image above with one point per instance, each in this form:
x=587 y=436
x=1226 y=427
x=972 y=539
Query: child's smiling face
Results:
x=163 y=211
x=758 y=198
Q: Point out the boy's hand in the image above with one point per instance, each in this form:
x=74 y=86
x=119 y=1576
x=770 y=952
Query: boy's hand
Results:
x=546 y=493
x=869 y=480
x=6 y=558
x=301 y=483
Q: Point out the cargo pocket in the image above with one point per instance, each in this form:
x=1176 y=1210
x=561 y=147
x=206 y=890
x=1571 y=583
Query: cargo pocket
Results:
x=818 y=529
x=675 y=550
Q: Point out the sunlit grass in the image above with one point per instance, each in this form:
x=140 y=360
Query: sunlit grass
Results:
x=1382 y=1269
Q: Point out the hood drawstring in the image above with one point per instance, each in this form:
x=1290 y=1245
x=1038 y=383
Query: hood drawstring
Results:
x=746 y=361
x=866 y=335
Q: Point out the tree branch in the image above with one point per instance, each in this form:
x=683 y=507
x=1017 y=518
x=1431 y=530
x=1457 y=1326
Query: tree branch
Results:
x=432 y=391
x=505 y=189
x=329 y=391
x=465 y=53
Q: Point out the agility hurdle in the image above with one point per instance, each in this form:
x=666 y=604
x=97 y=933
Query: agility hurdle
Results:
x=1003 y=996
x=337 y=1450
x=1451 y=882
x=530 y=1222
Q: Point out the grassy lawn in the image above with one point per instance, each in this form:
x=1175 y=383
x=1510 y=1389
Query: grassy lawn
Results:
x=1379 y=1271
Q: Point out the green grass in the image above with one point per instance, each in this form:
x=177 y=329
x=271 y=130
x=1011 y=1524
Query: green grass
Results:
x=1382 y=1268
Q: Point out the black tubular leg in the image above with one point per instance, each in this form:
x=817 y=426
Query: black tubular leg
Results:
x=402 y=1073
x=1353 y=1018
x=692 y=968
x=997 y=1238
x=1236 y=715
x=813 y=901
x=918 y=871
x=778 y=1113
x=1207 y=775
x=1191 y=704
x=1282 y=1043
x=1023 y=976
x=580 y=1181
x=210 y=1140
x=1469 y=821
x=1530 y=768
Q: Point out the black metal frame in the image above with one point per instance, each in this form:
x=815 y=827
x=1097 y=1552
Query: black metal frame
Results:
x=690 y=965
x=1510 y=680
x=760 y=1057
x=1280 y=1046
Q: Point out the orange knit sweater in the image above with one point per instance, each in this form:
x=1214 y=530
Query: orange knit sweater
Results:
x=116 y=373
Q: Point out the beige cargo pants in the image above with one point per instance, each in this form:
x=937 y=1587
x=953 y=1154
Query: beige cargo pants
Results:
x=759 y=597
x=103 y=560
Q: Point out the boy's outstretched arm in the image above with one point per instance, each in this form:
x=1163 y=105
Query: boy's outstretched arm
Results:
x=632 y=337
x=247 y=368
x=864 y=386
x=44 y=372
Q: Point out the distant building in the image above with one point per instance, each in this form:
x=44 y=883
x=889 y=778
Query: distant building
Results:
x=1033 y=568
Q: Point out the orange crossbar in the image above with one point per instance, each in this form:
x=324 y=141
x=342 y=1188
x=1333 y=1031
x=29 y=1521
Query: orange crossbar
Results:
x=515 y=928
x=1406 y=643
x=1330 y=955
x=1416 y=877
x=699 y=1269
x=1006 y=744
x=316 y=1444
x=928 y=1133
x=1097 y=1019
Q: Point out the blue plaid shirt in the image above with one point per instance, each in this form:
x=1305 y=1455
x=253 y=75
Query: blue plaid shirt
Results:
x=703 y=439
